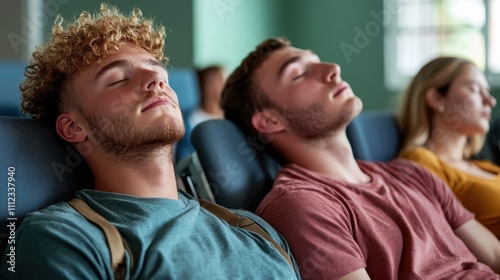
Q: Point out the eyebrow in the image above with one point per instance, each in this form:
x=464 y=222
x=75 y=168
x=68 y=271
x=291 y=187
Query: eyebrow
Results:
x=124 y=63
x=287 y=63
x=291 y=61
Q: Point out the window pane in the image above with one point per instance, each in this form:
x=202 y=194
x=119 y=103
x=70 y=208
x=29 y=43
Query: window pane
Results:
x=471 y=13
x=418 y=14
x=466 y=43
x=494 y=37
x=413 y=50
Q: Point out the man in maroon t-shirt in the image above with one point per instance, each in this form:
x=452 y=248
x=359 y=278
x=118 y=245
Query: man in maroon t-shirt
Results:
x=345 y=218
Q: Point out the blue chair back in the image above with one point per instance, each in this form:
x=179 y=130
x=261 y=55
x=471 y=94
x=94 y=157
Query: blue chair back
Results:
x=44 y=169
x=374 y=135
x=491 y=148
x=11 y=74
x=237 y=167
x=184 y=82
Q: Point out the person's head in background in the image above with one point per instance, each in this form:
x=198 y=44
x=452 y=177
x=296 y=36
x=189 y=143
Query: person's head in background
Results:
x=211 y=80
x=94 y=78
x=290 y=95
x=447 y=100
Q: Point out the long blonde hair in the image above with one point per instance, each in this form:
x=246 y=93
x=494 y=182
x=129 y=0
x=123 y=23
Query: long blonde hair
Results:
x=414 y=116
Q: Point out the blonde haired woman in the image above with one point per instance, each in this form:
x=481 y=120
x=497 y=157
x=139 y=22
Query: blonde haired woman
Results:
x=444 y=117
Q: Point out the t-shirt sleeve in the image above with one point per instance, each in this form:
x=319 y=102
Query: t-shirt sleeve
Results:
x=322 y=242
x=48 y=247
x=435 y=187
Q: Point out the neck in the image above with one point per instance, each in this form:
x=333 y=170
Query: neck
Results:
x=331 y=157
x=449 y=145
x=213 y=109
x=153 y=176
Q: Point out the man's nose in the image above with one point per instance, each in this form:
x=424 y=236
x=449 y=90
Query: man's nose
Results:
x=492 y=101
x=153 y=81
x=330 y=72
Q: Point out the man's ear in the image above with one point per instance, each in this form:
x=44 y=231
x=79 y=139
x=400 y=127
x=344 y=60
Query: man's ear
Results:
x=267 y=122
x=433 y=99
x=69 y=129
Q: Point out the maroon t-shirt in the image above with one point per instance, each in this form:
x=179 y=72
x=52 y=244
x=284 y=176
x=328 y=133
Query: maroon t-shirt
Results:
x=399 y=226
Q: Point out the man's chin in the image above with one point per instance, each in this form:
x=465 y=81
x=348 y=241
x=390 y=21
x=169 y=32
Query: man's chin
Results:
x=357 y=105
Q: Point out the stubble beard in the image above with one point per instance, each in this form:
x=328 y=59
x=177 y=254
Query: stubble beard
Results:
x=124 y=142
x=316 y=123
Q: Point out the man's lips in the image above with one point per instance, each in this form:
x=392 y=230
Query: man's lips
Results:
x=340 y=88
x=155 y=102
x=487 y=115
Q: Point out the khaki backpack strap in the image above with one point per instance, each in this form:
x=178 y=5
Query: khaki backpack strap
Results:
x=242 y=222
x=115 y=243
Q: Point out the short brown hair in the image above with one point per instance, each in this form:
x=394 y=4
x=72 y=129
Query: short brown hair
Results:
x=242 y=96
x=47 y=90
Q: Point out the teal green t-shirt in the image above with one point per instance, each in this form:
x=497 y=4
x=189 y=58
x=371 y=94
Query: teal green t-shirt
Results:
x=169 y=239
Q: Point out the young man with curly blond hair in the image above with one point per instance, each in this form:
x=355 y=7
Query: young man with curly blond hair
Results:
x=102 y=81
x=343 y=218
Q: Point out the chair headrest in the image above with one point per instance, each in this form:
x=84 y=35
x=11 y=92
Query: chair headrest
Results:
x=237 y=167
x=184 y=81
x=491 y=148
x=44 y=168
x=11 y=74
x=374 y=135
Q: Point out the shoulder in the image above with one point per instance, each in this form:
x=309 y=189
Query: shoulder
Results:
x=407 y=172
x=420 y=155
x=59 y=221
x=487 y=165
x=429 y=160
x=59 y=242
x=58 y=213
x=265 y=225
x=398 y=167
x=300 y=197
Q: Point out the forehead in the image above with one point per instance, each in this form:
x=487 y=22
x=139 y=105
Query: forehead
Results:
x=277 y=58
x=470 y=73
x=268 y=72
x=127 y=51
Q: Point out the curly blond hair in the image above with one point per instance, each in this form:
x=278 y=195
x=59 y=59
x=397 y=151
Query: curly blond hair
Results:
x=47 y=90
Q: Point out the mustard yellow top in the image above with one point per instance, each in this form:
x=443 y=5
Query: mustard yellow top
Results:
x=481 y=196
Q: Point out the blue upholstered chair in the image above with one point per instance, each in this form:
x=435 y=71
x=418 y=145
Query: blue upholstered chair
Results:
x=184 y=82
x=374 y=135
x=11 y=74
x=228 y=166
x=45 y=170
x=491 y=148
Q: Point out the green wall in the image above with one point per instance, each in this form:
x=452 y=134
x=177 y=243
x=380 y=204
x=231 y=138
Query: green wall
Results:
x=227 y=30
